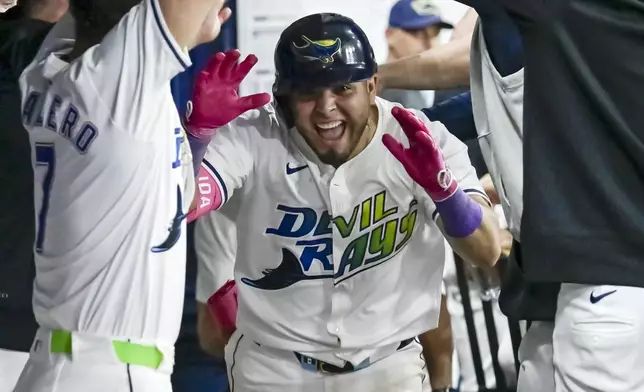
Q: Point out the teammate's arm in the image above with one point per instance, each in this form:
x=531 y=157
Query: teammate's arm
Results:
x=447 y=66
x=229 y=160
x=129 y=71
x=438 y=348
x=444 y=67
x=211 y=339
x=215 y=239
x=215 y=101
x=194 y=22
x=461 y=207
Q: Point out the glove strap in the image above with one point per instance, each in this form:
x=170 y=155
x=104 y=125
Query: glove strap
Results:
x=197 y=132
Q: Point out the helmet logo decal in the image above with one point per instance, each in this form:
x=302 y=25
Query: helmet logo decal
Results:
x=322 y=50
x=424 y=7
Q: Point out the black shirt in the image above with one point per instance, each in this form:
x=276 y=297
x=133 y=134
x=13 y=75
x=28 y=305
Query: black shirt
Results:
x=583 y=216
x=19 y=42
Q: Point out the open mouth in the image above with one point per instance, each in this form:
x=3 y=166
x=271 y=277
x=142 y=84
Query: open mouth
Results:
x=330 y=131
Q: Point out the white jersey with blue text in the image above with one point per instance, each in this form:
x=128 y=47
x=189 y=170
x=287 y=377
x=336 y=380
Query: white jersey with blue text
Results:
x=113 y=180
x=335 y=262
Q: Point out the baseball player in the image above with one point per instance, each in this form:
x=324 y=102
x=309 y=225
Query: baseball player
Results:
x=216 y=248
x=497 y=100
x=580 y=227
x=340 y=264
x=113 y=182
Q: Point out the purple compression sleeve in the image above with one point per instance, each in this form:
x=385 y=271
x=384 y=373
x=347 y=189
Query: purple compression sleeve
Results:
x=460 y=214
x=198 y=148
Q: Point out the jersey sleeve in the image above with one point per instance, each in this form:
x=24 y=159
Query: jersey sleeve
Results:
x=132 y=66
x=227 y=164
x=216 y=249
x=456 y=159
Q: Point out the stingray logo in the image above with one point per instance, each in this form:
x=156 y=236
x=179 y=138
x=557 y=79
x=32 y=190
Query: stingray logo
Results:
x=322 y=50
x=174 y=232
x=374 y=232
x=424 y=7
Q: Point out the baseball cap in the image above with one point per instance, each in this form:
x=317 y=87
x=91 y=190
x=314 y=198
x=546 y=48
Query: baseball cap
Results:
x=416 y=14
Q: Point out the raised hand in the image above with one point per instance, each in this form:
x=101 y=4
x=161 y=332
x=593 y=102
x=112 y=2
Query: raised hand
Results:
x=215 y=100
x=423 y=160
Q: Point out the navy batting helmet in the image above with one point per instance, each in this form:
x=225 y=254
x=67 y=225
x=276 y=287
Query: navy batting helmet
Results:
x=322 y=50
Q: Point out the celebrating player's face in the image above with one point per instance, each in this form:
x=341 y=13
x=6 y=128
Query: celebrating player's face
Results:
x=333 y=120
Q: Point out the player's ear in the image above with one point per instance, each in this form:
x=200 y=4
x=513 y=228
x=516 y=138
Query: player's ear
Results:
x=372 y=88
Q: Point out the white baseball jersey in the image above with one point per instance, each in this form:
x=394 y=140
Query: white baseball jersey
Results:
x=331 y=260
x=216 y=249
x=497 y=103
x=112 y=181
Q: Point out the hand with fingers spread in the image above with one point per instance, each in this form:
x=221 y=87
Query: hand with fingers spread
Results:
x=425 y=164
x=423 y=160
x=215 y=100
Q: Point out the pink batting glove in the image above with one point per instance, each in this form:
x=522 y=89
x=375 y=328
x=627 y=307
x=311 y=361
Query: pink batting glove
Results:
x=215 y=100
x=423 y=160
x=222 y=306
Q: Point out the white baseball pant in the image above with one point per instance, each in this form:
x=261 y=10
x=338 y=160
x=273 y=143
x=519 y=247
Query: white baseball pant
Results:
x=93 y=366
x=597 y=342
x=11 y=364
x=536 y=372
x=254 y=368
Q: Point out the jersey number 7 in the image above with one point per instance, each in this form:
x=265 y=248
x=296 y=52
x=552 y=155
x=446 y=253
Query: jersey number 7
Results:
x=44 y=157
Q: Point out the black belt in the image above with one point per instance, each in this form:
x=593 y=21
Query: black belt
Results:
x=317 y=365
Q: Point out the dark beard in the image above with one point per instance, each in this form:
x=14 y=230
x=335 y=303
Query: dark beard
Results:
x=336 y=159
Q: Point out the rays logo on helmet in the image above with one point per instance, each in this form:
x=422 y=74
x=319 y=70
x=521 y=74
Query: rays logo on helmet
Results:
x=322 y=50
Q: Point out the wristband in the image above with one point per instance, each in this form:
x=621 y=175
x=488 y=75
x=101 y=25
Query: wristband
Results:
x=460 y=214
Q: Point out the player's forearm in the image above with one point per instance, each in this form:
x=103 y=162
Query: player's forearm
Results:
x=437 y=350
x=210 y=340
x=483 y=246
x=186 y=20
x=444 y=67
x=440 y=369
